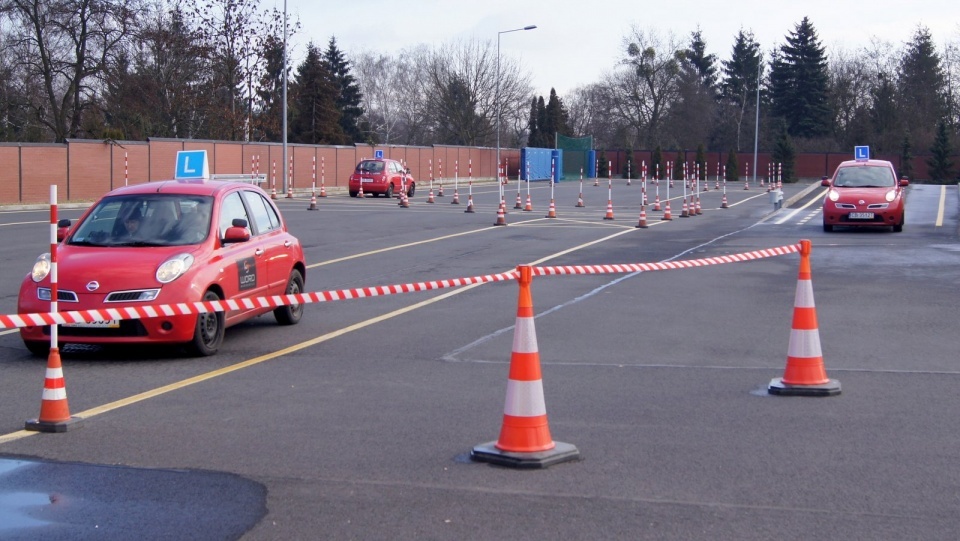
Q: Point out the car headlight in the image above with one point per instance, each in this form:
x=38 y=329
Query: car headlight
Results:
x=173 y=268
x=41 y=268
x=891 y=195
x=834 y=195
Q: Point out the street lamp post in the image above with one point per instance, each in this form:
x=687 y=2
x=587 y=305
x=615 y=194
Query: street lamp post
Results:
x=497 y=96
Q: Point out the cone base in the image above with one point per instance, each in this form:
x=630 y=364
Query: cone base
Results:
x=779 y=388
x=561 y=452
x=35 y=425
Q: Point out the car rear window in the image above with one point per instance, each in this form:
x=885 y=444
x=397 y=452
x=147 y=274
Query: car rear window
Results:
x=370 y=167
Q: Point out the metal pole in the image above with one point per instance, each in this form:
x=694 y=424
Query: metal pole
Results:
x=283 y=187
x=756 y=128
x=497 y=94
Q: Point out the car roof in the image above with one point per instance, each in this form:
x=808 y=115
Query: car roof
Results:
x=874 y=163
x=207 y=188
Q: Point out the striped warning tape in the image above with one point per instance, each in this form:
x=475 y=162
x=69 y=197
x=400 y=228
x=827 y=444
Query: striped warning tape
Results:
x=160 y=310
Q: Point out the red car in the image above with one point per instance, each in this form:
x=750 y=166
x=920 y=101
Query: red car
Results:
x=381 y=177
x=864 y=193
x=165 y=243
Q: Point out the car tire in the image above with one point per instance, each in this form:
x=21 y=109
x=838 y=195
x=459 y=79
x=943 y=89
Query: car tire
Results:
x=37 y=349
x=898 y=228
x=827 y=227
x=389 y=193
x=209 y=330
x=353 y=193
x=291 y=314
x=412 y=190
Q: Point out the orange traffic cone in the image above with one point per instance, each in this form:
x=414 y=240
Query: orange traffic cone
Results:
x=313 y=202
x=430 y=198
x=54 y=411
x=643 y=218
x=551 y=210
x=519 y=203
x=469 y=204
x=805 y=374
x=404 y=202
x=456 y=198
x=323 y=190
x=656 y=203
x=699 y=209
x=289 y=192
x=684 y=212
x=580 y=200
x=360 y=192
x=529 y=206
x=667 y=215
x=525 y=440
x=501 y=217
x=609 y=214
x=723 y=202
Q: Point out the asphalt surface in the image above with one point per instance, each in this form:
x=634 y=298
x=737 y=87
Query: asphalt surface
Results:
x=358 y=422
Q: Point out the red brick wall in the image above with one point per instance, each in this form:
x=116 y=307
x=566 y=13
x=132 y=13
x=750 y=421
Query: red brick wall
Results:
x=84 y=170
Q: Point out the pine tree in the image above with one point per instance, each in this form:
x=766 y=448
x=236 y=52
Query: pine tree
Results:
x=732 y=174
x=701 y=161
x=629 y=167
x=678 y=166
x=922 y=88
x=906 y=157
x=315 y=117
x=602 y=167
x=704 y=65
x=533 y=126
x=656 y=163
x=799 y=83
x=784 y=154
x=556 y=119
x=738 y=89
x=349 y=97
x=941 y=167
x=543 y=138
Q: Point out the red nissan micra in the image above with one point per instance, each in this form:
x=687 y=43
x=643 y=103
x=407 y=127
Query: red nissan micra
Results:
x=166 y=243
x=381 y=176
x=864 y=193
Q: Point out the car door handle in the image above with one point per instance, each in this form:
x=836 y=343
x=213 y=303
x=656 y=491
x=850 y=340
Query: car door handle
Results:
x=258 y=252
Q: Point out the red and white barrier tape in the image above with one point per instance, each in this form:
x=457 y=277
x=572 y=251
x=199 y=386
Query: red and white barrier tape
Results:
x=160 y=310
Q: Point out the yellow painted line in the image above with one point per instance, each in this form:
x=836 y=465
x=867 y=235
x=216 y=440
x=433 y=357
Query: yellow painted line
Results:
x=942 y=206
x=105 y=408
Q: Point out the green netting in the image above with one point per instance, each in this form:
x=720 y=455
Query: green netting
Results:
x=575 y=151
x=575 y=143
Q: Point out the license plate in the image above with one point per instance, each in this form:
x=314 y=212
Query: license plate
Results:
x=366 y=180
x=861 y=216
x=109 y=324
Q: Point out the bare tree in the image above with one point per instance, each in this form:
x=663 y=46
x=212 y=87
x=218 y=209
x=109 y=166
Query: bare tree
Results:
x=63 y=46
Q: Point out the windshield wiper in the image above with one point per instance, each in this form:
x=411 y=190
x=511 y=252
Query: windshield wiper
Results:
x=140 y=243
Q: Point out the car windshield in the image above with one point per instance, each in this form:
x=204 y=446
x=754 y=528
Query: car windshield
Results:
x=146 y=220
x=370 y=167
x=865 y=177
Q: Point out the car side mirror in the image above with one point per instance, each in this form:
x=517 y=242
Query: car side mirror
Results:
x=904 y=181
x=238 y=232
x=63 y=227
x=824 y=181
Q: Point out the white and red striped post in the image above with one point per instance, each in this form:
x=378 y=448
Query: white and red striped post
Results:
x=430 y=168
x=440 y=177
x=746 y=177
x=456 y=183
x=580 y=197
x=273 y=182
x=126 y=175
x=290 y=177
x=53 y=264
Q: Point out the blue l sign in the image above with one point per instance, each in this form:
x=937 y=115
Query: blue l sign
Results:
x=378 y=154
x=861 y=153
x=192 y=164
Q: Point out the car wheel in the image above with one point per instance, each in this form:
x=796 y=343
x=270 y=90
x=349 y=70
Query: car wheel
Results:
x=389 y=193
x=413 y=188
x=827 y=227
x=353 y=193
x=38 y=349
x=208 y=333
x=291 y=314
x=898 y=228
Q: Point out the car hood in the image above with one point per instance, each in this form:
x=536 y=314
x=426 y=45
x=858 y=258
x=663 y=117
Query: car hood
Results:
x=870 y=195
x=115 y=268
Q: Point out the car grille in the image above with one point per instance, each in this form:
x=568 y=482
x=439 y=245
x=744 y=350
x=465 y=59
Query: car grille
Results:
x=128 y=327
x=129 y=296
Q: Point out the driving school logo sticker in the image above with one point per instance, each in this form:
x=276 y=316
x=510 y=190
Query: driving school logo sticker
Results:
x=247 y=273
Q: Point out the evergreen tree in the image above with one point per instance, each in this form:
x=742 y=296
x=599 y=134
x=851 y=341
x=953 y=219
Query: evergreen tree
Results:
x=349 y=97
x=799 y=83
x=315 y=118
x=629 y=167
x=784 y=154
x=884 y=114
x=603 y=167
x=543 y=138
x=556 y=119
x=732 y=173
x=701 y=161
x=656 y=164
x=533 y=126
x=906 y=157
x=941 y=167
x=678 y=166
x=738 y=90
x=922 y=88
x=703 y=65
